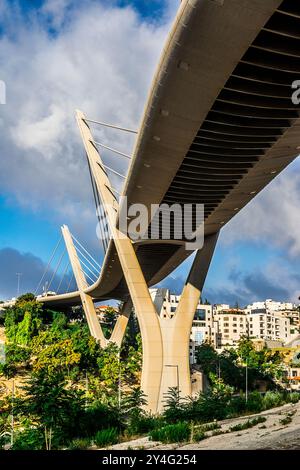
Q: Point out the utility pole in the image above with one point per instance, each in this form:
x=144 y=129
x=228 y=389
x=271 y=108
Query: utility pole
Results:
x=18 y=288
x=246 y=394
x=12 y=413
x=86 y=389
x=120 y=380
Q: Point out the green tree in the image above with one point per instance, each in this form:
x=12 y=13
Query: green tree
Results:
x=48 y=400
x=109 y=321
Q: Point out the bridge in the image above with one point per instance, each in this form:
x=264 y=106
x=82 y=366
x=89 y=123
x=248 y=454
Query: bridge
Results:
x=218 y=126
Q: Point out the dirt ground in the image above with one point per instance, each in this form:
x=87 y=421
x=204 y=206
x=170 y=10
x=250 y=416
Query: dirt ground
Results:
x=268 y=435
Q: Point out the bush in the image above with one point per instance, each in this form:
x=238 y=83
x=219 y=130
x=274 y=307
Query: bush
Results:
x=237 y=405
x=79 y=444
x=30 y=439
x=106 y=437
x=144 y=424
x=286 y=420
x=272 y=399
x=199 y=435
x=294 y=397
x=255 y=402
x=171 y=433
x=248 y=424
x=208 y=406
x=96 y=417
x=210 y=427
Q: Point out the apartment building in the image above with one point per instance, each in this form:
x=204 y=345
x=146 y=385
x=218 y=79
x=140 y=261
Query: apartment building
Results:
x=232 y=326
x=271 y=306
x=269 y=326
x=223 y=326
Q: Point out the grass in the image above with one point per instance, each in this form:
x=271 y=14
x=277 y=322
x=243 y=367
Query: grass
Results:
x=287 y=419
x=248 y=424
x=179 y=432
x=79 y=444
x=199 y=435
x=210 y=427
x=106 y=437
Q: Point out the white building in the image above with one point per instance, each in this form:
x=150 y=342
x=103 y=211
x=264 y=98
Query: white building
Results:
x=232 y=325
x=269 y=326
x=223 y=326
x=271 y=306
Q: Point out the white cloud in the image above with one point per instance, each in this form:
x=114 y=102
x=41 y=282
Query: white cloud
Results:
x=273 y=217
x=100 y=60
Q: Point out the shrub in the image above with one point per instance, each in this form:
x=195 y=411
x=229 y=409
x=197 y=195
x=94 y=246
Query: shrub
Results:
x=248 y=424
x=286 y=420
x=208 y=406
x=171 y=433
x=106 y=437
x=294 y=397
x=79 y=444
x=237 y=405
x=96 y=417
x=210 y=426
x=144 y=424
x=255 y=402
x=272 y=399
x=29 y=439
x=199 y=435
x=217 y=432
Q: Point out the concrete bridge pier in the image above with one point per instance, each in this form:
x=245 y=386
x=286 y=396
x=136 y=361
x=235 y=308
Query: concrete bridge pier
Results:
x=166 y=345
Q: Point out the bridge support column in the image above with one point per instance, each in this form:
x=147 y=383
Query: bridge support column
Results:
x=174 y=333
x=88 y=304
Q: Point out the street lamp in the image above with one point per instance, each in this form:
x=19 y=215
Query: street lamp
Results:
x=246 y=394
x=18 y=289
x=177 y=370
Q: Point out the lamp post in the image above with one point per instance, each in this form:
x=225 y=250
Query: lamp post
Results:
x=18 y=288
x=119 y=381
x=12 y=413
x=246 y=394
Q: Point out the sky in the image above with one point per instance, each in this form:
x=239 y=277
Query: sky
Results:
x=99 y=56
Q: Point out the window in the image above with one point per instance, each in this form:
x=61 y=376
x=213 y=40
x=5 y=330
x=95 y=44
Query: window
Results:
x=200 y=314
x=226 y=330
x=235 y=331
x=173 y=309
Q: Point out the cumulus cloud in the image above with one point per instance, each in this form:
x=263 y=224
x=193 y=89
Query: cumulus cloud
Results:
x=101 y=60
x=273 y=217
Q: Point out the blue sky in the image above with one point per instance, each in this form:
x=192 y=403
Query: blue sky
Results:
x=100 y=56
